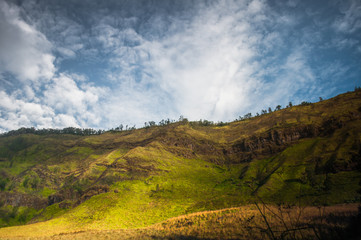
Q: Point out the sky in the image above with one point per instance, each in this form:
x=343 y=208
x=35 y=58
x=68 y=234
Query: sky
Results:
x=99 y=64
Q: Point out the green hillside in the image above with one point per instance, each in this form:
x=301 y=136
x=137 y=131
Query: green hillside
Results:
x=302 y=155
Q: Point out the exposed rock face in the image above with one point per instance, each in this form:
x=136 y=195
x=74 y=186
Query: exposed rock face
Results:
x=244 y=150
x=19 y=199
x=55 y=198
x=66 y=195
x=92 y=191
x=269 y=143
x=188 y=147
x=276 y=140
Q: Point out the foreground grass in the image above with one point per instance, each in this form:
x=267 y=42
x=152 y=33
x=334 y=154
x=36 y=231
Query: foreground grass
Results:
x=246 y=222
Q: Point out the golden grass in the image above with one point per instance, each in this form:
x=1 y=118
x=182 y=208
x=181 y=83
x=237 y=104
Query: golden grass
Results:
x=245 y=222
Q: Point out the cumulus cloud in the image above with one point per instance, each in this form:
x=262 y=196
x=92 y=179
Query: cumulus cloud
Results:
x=213 y=68
x=17 y=112
x=209 y=65
x=25 y=52
x=200 y=68
x=64 y=102
x=68 y=97
x=137 y=61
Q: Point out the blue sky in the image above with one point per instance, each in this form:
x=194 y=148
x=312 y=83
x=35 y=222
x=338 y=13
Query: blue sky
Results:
x=103 y=63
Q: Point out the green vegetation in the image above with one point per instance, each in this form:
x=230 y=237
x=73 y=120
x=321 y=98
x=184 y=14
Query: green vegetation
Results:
x=302 y=155
x=13 y=215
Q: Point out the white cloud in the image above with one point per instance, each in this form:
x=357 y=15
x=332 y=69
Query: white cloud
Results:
x=66 y=53
x=64 y=103
x=208 y=67
x=64 y=95
x=212 y=60
x=342 y=43
x=25 y=52
x=350 y=21
x=63 y=121
x=255 y=6
x=17 y=112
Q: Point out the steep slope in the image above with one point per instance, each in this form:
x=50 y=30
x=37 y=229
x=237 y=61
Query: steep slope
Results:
x=307 y=154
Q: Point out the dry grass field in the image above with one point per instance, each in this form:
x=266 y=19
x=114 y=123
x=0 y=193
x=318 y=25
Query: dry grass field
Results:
x=259 y=221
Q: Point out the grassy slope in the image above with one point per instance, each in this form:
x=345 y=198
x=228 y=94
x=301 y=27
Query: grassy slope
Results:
x=245 y=222
x=162 y=172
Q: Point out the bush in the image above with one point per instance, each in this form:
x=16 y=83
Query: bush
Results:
x=3 y=183
x=26 y=182
x=34 y=183
x=304 y=103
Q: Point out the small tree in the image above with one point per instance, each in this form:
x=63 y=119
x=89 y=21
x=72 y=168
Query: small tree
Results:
x=247 y=116
x=278 y=107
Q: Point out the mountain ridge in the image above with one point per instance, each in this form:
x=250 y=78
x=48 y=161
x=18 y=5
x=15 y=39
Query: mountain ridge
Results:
x=306 y=154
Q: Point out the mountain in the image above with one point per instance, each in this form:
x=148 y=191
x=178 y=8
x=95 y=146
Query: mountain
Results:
x=302 y=155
